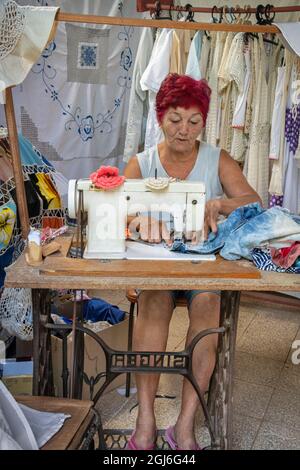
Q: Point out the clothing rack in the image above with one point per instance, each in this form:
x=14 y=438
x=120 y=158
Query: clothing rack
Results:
x=119 y=21
x=108 y=20
x=143 y=5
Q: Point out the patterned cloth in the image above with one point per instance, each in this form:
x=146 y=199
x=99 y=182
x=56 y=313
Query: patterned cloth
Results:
x=262 y=259
x=43 y=199
x=275 y=200
x=285 y=257
x=292 y=128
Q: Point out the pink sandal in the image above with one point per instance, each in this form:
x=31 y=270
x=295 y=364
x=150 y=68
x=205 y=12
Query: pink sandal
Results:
x=132 y=445
x=170 y=439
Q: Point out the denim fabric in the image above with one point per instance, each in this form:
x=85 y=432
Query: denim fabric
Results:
x=263 y=260
x=271 y=224
x=190 y=294
x=245 y=228
x=99 y=310
x=217 y=240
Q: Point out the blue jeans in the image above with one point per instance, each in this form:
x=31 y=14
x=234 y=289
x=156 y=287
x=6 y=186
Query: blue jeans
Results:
x=190 y=294
x=187 y=294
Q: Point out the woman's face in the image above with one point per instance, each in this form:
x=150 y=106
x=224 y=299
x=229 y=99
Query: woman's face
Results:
x=181 y=127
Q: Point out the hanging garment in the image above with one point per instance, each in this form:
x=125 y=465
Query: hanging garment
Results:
x=277 y=177
x=205 y=56
x=291 y=199
x=277 y=116
x=231 y=80
x=48 y=190
x=265 y=79
x=290 y=35
x=138 y=102
x=212 y=123
x=24 y=32
x=239 y=115
x=157 y=69
x=181 y=42
x=193 y=61
x=239 y=138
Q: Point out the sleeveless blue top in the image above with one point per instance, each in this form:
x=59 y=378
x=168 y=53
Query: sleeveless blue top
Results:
x=206 y=168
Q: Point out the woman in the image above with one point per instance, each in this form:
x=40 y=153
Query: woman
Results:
x=182 y=105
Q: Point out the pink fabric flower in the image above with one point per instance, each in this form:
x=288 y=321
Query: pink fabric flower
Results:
x=107 y=177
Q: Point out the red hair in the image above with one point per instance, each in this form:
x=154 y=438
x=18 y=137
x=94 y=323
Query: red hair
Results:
x=182 y=91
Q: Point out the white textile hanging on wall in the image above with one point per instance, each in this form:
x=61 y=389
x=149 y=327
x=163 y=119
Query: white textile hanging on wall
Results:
x=73 y=105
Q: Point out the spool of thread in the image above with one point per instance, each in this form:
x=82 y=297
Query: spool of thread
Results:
x=34 y=254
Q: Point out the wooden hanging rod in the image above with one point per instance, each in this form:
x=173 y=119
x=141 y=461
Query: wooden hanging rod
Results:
x=143 y=6
x=112 y=20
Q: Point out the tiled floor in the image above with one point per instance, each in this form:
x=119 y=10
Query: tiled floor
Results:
x=266 y=386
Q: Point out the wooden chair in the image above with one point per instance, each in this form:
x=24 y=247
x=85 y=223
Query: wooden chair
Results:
x=78 y=431
x=132 y=297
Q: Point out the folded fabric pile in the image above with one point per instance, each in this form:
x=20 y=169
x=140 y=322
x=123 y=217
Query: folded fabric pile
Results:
x=251 y=230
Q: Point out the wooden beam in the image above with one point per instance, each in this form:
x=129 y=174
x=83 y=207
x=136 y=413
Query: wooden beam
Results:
x=16 y=163
x=118 y=21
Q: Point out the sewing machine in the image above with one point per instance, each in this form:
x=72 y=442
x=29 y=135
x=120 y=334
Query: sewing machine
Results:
x=108 y=210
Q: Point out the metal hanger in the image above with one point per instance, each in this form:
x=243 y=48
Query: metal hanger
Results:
x=214 y=10
x=190 y=16
x=156 y=13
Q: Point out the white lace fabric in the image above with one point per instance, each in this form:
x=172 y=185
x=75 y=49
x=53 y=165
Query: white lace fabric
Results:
x=12 y=23
x=24 y=33
x=16 y=312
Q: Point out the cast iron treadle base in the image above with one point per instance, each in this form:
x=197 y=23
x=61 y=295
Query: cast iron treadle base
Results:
x=116 y=439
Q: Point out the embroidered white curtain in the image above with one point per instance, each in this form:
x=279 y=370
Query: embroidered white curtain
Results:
x=73 y=105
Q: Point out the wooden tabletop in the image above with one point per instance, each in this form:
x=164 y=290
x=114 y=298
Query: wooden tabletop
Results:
x=60 y=272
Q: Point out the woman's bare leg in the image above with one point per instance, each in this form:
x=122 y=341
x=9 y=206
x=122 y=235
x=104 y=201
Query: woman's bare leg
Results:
x=150 y=334
x=204 y=313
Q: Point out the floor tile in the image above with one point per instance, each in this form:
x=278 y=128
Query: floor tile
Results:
x=284 y=408
x=251 y=399
x=244 y=431
x=277 y=437
x=269 y=337
x=257 y=369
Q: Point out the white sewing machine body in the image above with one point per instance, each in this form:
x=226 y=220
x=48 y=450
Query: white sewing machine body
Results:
x=108 y=210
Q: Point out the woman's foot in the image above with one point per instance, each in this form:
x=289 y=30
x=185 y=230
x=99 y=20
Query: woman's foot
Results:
x=144 y=436
x=181 y=438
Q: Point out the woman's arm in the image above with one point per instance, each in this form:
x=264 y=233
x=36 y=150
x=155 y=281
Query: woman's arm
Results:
x=147 y=228
x=237 y=189
x=132 y=169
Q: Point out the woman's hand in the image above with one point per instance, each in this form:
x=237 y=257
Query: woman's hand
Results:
x=212 y=212
x=149 y=229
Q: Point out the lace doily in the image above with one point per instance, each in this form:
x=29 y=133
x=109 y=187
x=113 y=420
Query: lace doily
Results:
x=16 y=312
x=12 y=23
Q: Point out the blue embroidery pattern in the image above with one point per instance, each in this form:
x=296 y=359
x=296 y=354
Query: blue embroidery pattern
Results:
x=87 y=125
x=87 y=56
